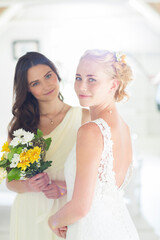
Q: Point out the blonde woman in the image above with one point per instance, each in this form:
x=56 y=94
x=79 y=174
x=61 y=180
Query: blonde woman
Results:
x=97 y=170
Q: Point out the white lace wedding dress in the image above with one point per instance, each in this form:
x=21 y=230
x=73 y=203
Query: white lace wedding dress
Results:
x=108 y=218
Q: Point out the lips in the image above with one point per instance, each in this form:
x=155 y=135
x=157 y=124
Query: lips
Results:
x=84 y=96
x=51 y=91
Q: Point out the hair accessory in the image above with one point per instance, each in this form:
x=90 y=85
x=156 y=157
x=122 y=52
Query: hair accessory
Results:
x=120 y=57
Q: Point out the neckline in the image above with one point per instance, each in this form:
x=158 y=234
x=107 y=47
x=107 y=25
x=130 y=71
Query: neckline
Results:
x=59 y=123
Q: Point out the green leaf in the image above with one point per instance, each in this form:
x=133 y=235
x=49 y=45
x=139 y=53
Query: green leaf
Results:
x=19 y=150
x=10 y=156
x=14 y=174
x=10 y=147
x=3 y=162
x=45 y=165
x=35 y=137
x=47 y=143
x=39 y=133
x=13 y=150
x=34 y=169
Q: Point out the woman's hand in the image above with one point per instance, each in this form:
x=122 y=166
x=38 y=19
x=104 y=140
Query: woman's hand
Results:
x=52 y=191
x=63 y=231
x=55 y=190
x=62 y=187
x=60 y=232
x=38 y=182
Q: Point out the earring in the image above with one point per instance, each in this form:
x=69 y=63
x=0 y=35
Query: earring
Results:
x=60 y=96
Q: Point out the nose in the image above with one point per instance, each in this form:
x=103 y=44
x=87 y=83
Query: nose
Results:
x=45 y=85
x=83 y=87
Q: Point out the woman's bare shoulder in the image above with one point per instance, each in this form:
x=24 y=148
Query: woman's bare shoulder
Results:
x=91 y=130
x=90 y=138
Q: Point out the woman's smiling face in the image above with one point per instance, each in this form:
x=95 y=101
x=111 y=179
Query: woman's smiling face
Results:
x=92 y=84
x=43 y=82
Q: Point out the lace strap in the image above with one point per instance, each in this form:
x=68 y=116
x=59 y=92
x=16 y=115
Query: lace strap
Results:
x=106 y=133
x=105 y=173
x=104 y=128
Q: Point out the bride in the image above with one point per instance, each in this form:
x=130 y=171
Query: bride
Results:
x=100 y=165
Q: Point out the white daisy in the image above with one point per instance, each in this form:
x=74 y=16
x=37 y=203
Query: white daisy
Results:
x=19 y=133
x=28 y=137
x=15 y=160
x=16 y=141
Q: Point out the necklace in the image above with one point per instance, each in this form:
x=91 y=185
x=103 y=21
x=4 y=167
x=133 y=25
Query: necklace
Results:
x=51 y=120
x=110 y=112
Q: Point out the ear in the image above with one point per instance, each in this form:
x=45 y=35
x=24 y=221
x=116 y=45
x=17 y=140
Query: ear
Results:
x=115 y=85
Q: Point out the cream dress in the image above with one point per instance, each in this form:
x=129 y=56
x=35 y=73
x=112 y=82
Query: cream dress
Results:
x=30 y=211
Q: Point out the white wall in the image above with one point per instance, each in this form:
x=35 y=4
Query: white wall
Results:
x=63 y=38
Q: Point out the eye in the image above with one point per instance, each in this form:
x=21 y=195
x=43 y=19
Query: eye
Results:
x=92 y=80
x=78 y=78
x=48 y=76
x=35 y=84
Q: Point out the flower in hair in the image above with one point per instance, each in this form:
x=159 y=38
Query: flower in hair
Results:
x=120 y=57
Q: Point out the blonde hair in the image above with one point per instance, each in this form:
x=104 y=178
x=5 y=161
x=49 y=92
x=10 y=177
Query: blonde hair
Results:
x=114 y=66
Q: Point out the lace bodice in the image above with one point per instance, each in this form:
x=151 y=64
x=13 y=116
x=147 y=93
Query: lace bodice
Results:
x=106 y=175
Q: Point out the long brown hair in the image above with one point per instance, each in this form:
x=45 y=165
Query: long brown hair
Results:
x=25 y=108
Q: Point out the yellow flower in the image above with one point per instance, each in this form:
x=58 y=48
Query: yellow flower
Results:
x=123 y=58
x=34 y=154
x=2 y=158
x=24 y=161
x=5 y=147
x=28 y=157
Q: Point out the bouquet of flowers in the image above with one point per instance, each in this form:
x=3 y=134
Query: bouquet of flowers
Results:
x=24 y=156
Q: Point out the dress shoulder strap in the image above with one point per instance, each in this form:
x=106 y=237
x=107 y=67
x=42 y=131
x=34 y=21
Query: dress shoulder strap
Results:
x=106 y=132
x=104 y=127
x=105 y=173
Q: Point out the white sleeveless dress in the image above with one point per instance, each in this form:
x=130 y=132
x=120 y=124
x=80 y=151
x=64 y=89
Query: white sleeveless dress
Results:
x=108 y=218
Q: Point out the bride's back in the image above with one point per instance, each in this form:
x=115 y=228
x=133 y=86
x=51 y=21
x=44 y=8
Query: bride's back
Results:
x=122 y=149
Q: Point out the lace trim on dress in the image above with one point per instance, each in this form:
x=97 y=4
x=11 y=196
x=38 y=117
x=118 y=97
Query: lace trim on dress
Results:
x=106 y=175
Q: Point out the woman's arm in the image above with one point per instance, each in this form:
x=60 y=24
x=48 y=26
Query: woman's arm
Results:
x=39 y=183
x=19 y=186
x=89 y=150
x=34 y=184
